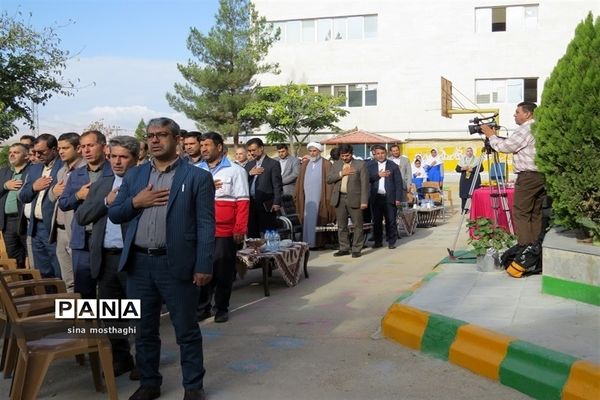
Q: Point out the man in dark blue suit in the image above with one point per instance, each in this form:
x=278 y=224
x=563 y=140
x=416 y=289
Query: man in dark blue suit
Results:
x=91 y=144
x=167 y=253
x=386 y=196
x=39 y=180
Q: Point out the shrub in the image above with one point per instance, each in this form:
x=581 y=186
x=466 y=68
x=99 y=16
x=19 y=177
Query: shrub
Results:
x=567 y=131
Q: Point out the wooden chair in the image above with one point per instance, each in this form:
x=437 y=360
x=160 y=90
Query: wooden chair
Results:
x=38 y=348
x=28 y=291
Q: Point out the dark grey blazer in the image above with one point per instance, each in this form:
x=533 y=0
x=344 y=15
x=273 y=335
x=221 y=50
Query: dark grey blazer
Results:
x=93 y=211
x=268 y=184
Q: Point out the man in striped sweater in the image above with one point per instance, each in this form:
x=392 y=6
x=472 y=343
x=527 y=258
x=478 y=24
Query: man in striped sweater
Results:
x=232 y=204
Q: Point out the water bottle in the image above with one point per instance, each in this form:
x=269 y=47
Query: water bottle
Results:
x=269 y=240
x=276 y=240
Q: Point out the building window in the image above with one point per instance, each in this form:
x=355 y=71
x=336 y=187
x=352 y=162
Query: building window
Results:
x=506 y=19
x=355 y=95
x=371 y=94
x=340 y=91
x=339 y=28
x=512 y=91
x=355 y=28
x=324 y=29
x=325 y=90
x=308 y=31
x=293 y=31
x=370 y=26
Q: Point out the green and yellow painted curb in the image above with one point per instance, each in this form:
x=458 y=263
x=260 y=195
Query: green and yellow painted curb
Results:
x=531 y=369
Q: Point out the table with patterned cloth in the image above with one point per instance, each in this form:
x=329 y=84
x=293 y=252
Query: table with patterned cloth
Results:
x=290 y=261
x=487 y=202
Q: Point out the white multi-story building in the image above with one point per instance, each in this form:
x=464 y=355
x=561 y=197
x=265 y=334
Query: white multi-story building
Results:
x=387 y=56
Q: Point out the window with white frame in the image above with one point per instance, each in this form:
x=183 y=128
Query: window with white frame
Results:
x=506 y=19
x=516 y=90
x=357 y=27
x=354 y=94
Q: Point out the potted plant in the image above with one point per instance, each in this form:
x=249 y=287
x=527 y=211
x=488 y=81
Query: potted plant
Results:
x=488 y=239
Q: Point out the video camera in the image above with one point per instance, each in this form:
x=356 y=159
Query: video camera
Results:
x=476 y=123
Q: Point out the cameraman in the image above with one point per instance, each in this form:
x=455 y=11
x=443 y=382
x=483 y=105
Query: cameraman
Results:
x=529 y=187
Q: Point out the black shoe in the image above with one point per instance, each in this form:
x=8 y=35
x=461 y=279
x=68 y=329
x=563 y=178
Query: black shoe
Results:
x=146 y=392
x=122 y=366
x=391 y=246
x=340 y=253
x=134 y=375
x=204 y=314
x=221 y=316
x=194 y=394
x=356 y=255
x=377 y=245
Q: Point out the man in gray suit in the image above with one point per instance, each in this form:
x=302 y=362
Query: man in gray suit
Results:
x=290 y=168
x=403 y=164
x=106 y=243
x=350 y=197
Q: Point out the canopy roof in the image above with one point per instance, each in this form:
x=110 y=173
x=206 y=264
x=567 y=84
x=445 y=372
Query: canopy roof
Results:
x=358 y=136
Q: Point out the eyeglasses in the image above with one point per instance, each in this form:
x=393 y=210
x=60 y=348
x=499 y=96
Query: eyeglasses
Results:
x=160 y=135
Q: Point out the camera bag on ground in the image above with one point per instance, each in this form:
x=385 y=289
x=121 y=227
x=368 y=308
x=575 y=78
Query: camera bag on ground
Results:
x=520 y=261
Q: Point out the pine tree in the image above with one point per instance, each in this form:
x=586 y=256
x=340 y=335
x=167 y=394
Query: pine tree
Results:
x=220 y=81
x=140 y=131
x=567 y=131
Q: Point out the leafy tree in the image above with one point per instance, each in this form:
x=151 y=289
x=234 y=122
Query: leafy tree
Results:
x=567 y=131
x=31 y=66
x=220 y=81
x=99 y=125
x=140 y=131
x=294 y=112
x=4 y=156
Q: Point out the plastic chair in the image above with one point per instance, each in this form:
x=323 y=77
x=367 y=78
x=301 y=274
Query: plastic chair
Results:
x=37 y=350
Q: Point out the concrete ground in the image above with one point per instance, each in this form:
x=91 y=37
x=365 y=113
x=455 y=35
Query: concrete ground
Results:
x=314 y=341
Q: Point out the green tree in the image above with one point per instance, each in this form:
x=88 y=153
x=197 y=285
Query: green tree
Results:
x=220 y=81
x=4 y=156
x=140 y=131
x=567 y=131
x=293 y=112
x=31 y=67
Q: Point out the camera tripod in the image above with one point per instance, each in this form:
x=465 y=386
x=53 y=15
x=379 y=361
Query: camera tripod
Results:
x=498 y=195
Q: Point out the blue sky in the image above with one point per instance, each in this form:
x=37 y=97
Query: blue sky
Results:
x=125 y=54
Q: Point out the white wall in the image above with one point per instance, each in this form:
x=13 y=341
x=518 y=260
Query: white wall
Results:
x=416 y=43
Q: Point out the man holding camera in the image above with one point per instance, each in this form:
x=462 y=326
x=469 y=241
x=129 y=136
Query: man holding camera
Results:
x=529 y=187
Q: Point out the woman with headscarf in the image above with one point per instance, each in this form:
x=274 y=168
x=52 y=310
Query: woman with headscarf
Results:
x=467 y=166
x=434 y=166
x=418 y=174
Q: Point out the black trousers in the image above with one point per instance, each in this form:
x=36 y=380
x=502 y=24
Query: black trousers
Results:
x=223 y=274
x=260 y=220
x=382 y=209
x=16 y=244
x=113 y=285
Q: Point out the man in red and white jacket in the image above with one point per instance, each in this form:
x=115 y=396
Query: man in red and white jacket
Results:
x=232 y=203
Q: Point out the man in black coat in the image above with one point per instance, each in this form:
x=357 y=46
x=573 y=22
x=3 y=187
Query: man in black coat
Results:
x=386 y=196
x=12 y=221
x=106 y=243
x=264 y=179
